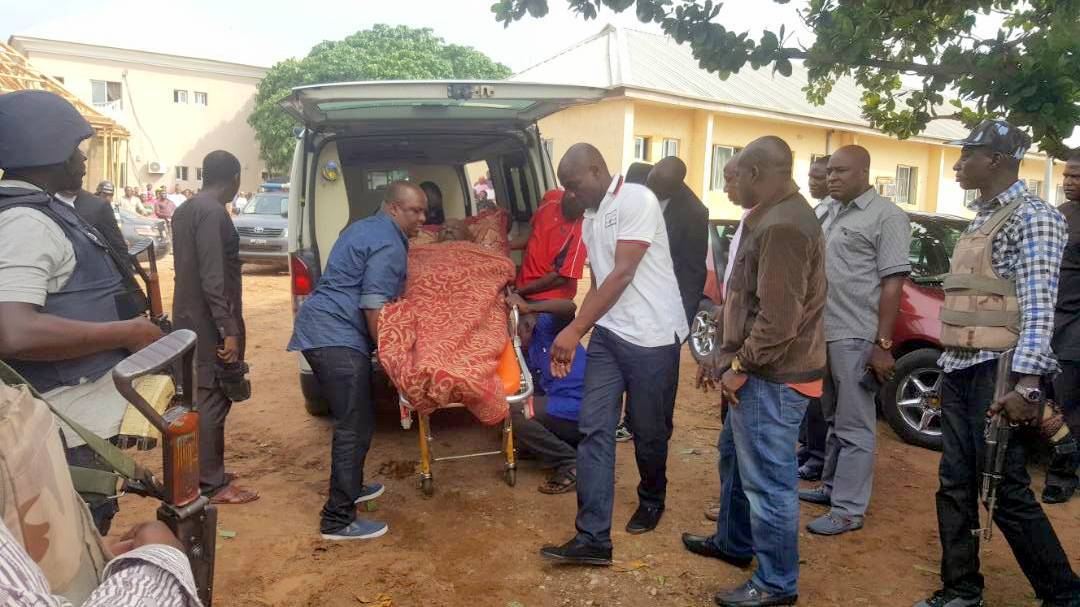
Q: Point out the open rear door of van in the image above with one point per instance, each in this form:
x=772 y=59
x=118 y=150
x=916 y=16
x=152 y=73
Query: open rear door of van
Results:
x=441 y=105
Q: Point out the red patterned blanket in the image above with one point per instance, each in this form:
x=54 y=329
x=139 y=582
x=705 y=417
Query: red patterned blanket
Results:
x=440 y=343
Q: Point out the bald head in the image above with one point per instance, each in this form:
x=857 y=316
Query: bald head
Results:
x=406 y=203
x=666 y=178
x=584 y=176
x=764 y=171
x=848 y=173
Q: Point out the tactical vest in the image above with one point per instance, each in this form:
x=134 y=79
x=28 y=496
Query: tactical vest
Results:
x=981 y=311
x=97 y=291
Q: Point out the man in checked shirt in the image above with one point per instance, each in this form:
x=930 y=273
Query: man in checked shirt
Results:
x=999 y=295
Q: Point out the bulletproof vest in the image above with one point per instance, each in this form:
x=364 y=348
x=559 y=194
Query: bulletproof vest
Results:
x=97 y=291
x=981 y=310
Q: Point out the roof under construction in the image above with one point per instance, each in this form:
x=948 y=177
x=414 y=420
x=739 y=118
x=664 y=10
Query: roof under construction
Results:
x=16 y=74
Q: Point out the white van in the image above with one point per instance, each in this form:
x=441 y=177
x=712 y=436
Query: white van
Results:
x=358 y=137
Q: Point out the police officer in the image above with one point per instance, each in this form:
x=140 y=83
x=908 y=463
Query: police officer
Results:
x=999 y=295
x=67 y=313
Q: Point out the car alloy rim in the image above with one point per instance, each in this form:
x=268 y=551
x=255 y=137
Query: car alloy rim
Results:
x=703 y=334
x=918 y=399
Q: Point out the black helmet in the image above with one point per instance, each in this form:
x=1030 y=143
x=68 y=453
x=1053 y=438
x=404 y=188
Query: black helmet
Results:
x=38 y=128
x=105 y=187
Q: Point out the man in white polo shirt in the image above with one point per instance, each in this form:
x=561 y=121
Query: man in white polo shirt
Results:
x=638 y=324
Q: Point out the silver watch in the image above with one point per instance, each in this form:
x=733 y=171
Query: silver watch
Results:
x=1031 y=395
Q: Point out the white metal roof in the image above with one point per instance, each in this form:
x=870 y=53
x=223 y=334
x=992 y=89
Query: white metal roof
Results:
x=618 y=57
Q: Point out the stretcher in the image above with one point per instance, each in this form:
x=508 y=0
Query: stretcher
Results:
x=517 y=384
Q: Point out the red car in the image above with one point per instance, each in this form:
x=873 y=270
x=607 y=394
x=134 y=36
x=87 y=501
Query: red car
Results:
x=911 y=402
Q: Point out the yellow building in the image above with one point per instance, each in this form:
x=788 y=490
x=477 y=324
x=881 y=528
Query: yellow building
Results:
x=104 y=155
x=177 y=109
x=661 y=104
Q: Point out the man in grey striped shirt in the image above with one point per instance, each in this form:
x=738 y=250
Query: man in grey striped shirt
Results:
x=151 y=569
x=867 y=243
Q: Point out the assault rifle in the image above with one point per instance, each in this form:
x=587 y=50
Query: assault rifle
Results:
x=184 y=509
x=151 y=281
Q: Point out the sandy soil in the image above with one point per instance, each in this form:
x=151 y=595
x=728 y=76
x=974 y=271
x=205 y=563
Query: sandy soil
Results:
x=475 y=541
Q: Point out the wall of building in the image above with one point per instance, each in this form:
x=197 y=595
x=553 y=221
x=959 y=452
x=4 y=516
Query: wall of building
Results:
x=601 y=124
x=175 y=134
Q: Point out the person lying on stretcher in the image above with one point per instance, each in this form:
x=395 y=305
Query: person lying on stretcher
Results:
x=552 y=434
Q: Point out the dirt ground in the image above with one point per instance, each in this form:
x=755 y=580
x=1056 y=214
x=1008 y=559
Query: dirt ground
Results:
x=475 y=541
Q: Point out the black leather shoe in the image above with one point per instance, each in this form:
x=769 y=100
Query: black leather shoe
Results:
x=645 y=519
x=699 y=544
x=576 y=552
x=1053 y=494
x=749 y=595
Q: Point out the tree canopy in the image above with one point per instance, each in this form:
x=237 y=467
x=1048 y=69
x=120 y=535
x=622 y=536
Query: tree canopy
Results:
x=381 y=53
x=1027 y=71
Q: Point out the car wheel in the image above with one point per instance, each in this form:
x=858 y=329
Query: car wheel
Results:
x=313 y=399
x=702 y=332
x=911 y=401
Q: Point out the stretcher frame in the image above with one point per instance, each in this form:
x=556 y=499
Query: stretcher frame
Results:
x=522 y=399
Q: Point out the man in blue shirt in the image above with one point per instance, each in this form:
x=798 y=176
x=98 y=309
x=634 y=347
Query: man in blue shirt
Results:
x=337 y=328
x=552 y=434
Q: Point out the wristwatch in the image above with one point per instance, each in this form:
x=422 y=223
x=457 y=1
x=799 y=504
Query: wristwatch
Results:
x=736 y=366
x=1031 y=395
x=885 y=343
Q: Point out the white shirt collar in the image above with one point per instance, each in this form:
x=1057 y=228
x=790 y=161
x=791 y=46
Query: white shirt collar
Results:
x=68 y=200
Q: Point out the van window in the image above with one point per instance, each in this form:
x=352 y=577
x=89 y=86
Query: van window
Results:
x=378 y=180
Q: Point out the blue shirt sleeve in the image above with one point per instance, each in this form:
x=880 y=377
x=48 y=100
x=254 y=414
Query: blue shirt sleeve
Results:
x=383 y=276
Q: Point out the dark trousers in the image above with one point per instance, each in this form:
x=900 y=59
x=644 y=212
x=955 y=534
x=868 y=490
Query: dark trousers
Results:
x=966 y=395
x=649 y=378
x=553 y=439
x=344 y=375
x=213 y=409
x=102 y=510
x=1062 y=471
x=812 y=435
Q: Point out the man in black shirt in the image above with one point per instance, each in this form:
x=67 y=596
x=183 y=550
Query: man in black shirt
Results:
x=208 y=300
x=1061 y=477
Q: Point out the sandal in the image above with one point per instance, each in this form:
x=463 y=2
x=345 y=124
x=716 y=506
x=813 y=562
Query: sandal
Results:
x=560 y=482
x=233 y=494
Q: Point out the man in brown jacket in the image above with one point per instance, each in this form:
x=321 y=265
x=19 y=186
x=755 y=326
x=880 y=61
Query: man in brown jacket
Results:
x=771 y=360
x=208 y=300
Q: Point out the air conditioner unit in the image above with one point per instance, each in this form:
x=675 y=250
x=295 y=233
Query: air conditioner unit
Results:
x=156 y=167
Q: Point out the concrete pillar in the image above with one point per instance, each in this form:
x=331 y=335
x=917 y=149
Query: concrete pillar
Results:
x=698 y=155
x=627 y=135
x=1048 y=182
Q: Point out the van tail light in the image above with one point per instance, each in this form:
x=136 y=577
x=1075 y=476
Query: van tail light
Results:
x=181 y=453
x=302 y=282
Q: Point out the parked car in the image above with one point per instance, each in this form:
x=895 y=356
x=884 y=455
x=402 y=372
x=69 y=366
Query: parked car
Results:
x=359 y=137
x=263 y=227
x=135 y=228
x=911 y=401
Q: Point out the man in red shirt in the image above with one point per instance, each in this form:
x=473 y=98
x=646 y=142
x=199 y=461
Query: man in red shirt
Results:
x=554 y=254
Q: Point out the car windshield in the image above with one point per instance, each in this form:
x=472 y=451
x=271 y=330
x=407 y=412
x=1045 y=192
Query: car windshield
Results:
x=263 y=204
x=932 y=242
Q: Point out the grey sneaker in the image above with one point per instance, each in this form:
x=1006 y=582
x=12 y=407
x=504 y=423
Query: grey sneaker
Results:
x=622 y=433
x=942 y=598
x=833 y=524
x=370 y=492
x=360 y=529
x=815 y=496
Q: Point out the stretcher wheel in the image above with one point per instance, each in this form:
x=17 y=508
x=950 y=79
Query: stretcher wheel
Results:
x=511 y=476
x=427 y=486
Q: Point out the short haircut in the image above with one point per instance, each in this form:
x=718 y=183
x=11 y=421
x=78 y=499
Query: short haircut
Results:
x=822 y=159
x=220 y=167
x=1073 y=156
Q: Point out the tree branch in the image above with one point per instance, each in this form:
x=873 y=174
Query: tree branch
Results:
x=899 y=66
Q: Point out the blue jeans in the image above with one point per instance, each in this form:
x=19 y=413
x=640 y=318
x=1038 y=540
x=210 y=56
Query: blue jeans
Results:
x=649 y=378
x=759 y=501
